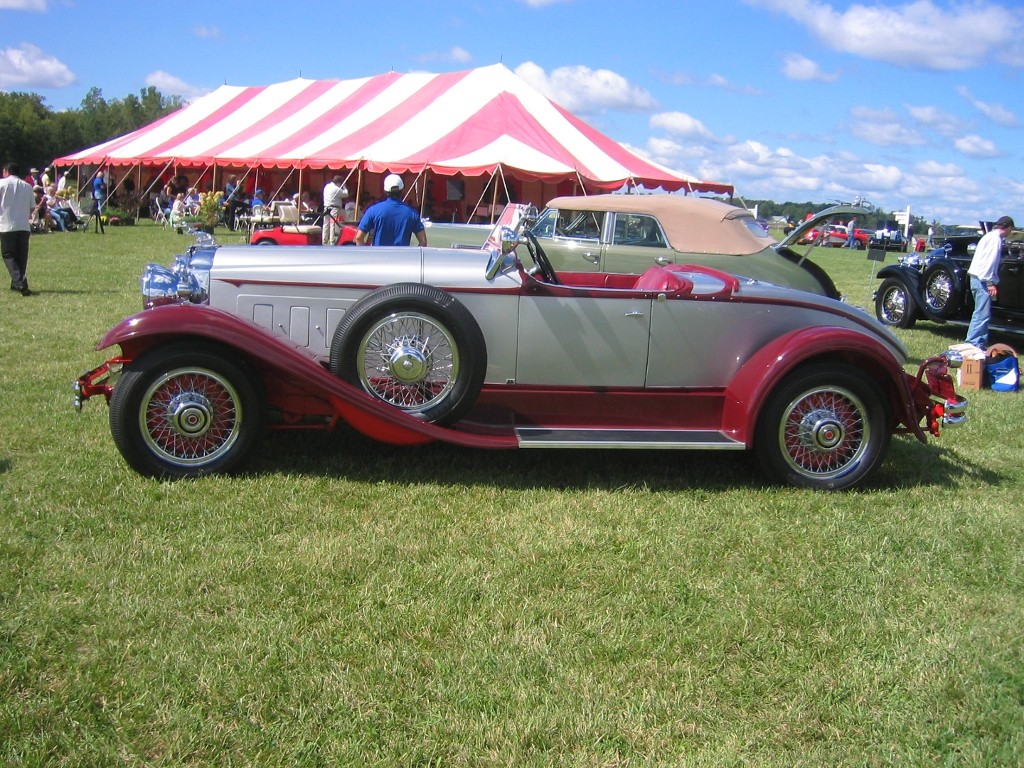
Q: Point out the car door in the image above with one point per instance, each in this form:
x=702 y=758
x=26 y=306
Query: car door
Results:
x=571 y=239
x=1011 y=280
x=583 y=339
x=636 y=242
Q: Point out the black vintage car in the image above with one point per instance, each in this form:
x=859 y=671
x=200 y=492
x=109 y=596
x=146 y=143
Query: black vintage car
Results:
x=935 y=285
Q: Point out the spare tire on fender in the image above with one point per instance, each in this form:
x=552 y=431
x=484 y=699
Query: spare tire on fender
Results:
x=415 y=347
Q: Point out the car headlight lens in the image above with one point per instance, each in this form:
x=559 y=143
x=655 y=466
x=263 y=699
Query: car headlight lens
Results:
x=186 y=280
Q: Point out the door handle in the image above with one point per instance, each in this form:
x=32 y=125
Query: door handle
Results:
x=661 y=261
x=589 y=256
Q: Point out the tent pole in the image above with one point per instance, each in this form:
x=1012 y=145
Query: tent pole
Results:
x=580 y=180
x=138 y=185
x=494 y=194
x=423 y=194
x=359 y=190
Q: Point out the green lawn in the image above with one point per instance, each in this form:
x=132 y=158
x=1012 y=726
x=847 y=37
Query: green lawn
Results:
x=350 y=604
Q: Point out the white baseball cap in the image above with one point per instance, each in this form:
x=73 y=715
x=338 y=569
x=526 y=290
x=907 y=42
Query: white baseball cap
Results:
x=393 y=181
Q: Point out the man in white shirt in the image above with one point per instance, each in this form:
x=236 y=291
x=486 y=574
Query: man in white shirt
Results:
x=984 y=272
x=334 y=202
x=16 y=203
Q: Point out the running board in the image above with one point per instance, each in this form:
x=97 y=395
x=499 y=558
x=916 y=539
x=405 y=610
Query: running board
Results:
x=658 y=439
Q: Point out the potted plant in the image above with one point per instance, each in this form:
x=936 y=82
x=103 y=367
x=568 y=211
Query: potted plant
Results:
x=209 y=212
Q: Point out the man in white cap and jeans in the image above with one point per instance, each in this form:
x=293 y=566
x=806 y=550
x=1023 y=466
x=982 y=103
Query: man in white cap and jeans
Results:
x=984 y=272
x=392 y=221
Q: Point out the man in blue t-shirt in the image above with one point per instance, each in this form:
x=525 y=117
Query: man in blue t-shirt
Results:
x=392 y=221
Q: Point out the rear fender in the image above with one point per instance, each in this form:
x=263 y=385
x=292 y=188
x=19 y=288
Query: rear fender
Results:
x=754 y=382
x=277 y=359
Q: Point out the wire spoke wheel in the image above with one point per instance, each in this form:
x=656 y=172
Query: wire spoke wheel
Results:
x=942 y=292
x=824 y=433
x=190 y=416
x=824 y=427
x=894 y=305
x=414 y=347
x=186 y=409
x=409 y=360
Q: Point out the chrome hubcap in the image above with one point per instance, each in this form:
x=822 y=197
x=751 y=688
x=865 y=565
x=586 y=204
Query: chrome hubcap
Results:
x=821 y=431
x=407 y=363
x=190 y=414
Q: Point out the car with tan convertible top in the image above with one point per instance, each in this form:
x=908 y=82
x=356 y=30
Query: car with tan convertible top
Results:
x=629 y=233
x=496 y=348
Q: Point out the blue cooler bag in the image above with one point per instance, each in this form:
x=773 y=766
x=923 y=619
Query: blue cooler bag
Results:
x=1002 y=371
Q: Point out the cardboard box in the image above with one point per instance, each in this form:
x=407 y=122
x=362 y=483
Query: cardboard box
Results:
x=971 y=375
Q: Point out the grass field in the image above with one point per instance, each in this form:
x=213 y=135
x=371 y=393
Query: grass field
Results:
x=347 y=604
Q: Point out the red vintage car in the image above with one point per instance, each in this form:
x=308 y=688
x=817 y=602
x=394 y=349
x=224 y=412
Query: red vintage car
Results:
x=836 y=236
x=283 y=225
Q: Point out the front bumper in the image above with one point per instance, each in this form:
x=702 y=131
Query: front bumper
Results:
x=98 y=381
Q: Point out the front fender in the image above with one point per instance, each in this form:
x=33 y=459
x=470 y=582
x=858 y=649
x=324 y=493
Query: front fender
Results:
x=910 y=276
x=278 y=358
x=753 y=383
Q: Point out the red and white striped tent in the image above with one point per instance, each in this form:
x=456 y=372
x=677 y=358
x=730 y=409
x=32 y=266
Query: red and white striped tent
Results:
x=478 y=122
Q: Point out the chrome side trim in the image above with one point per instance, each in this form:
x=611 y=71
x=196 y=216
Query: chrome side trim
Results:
x=657 y=439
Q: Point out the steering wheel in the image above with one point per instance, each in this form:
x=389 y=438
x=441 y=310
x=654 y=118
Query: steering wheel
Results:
x=540 y=259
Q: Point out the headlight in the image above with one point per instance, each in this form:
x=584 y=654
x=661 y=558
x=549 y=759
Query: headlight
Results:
x=187 y=280
x=159 y=286
x=912 y=260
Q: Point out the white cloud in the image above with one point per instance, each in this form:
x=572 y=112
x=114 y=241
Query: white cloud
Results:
x=713 y=80
x=680 y=124
x=204 y=31
x=975 y=146
x=169 y=84
x=23 y=5
x=28 y=67
x=582 y=90
x=882 y=127
x=455 y=54
x=997 y=113
x=936 y=169
x=918 y=34
x=797 y=67
x=936 y=119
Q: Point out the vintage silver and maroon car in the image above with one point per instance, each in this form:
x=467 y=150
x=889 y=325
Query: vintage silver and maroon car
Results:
x=493 y=348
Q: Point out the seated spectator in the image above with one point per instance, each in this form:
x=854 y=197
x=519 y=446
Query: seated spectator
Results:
x=58 y=214
x=178 y=211
x=191 y=199
x=235 y=203
x=39 y=220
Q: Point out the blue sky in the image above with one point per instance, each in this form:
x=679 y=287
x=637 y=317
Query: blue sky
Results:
x=906 y=104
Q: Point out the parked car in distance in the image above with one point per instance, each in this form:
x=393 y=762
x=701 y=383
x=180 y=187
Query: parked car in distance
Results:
x=281 y=224
x=836 y=236
x=629 y=233
x=495 y=348
x=935 y=285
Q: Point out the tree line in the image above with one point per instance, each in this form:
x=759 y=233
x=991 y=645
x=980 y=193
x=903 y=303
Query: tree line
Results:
x=33 y=135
